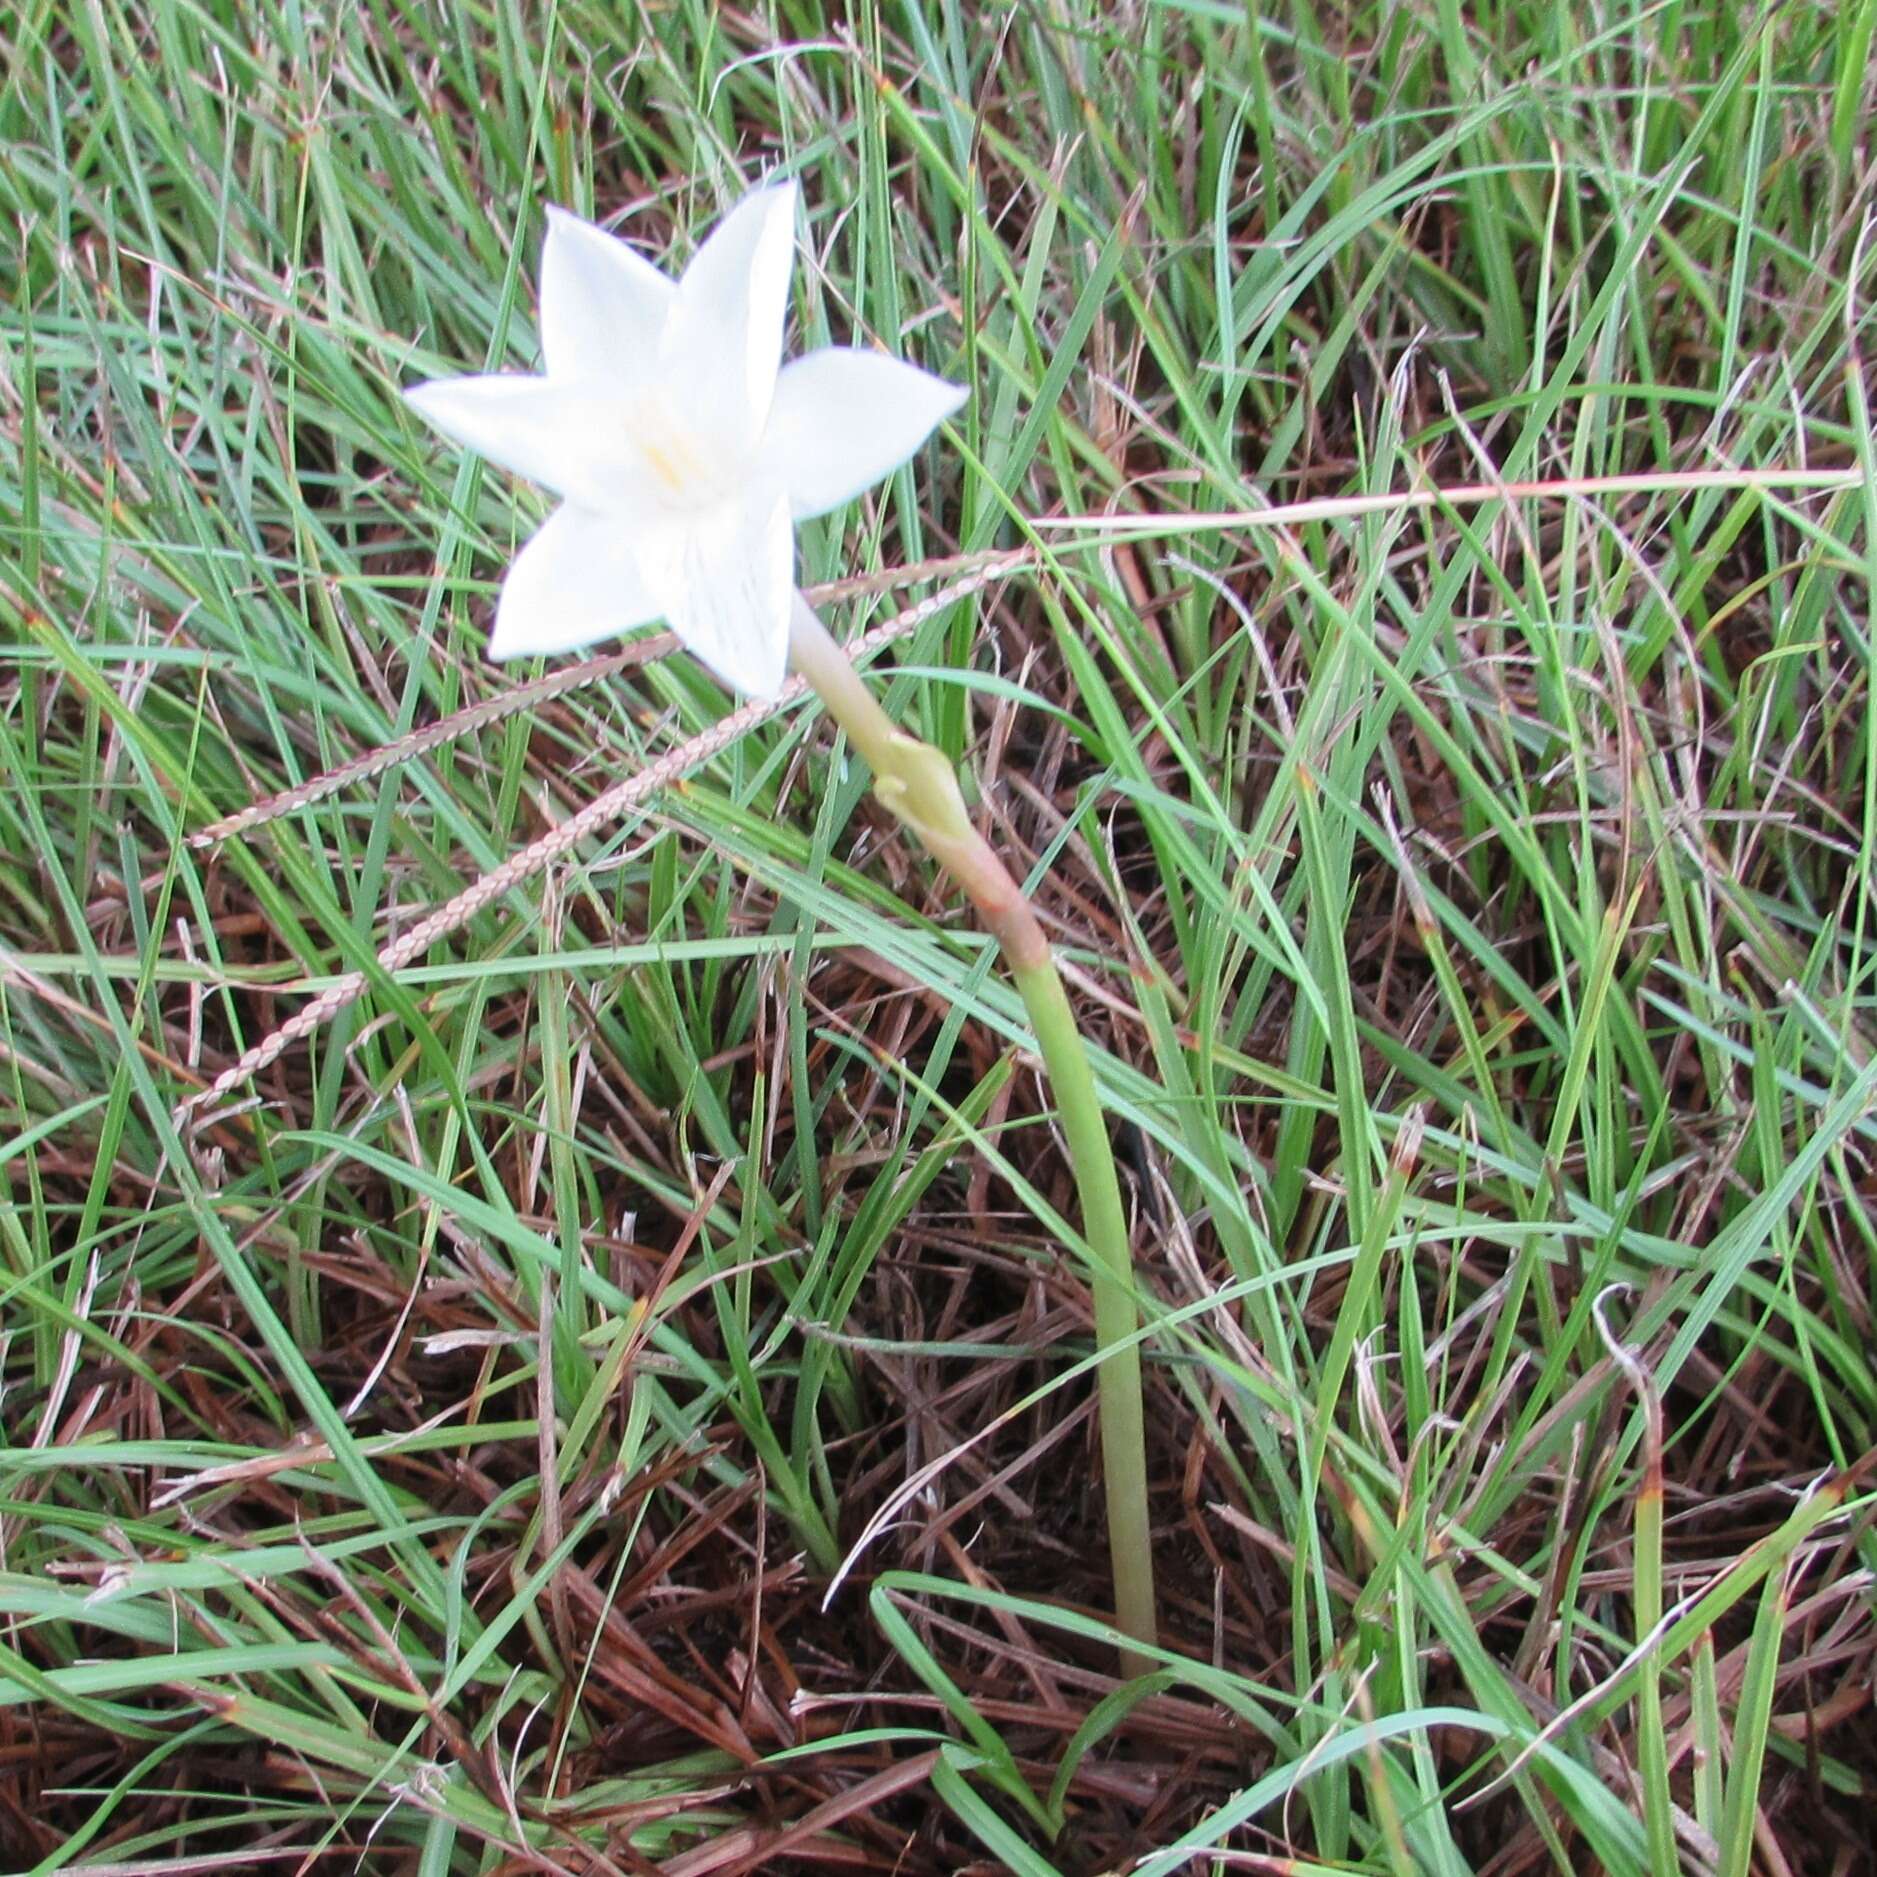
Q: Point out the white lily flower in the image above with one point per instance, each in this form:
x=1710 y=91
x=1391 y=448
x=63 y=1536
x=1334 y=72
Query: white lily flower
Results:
x=682 y=447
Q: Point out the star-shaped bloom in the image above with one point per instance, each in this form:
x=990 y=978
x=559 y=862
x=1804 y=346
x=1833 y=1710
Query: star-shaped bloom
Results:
x=682 y=447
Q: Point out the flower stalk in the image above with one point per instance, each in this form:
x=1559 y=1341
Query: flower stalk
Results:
x=920 y=787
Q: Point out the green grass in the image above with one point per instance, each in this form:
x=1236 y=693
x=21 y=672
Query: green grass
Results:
x=441 y=1463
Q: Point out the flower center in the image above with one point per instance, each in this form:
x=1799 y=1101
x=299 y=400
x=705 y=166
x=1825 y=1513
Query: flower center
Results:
x=689 y=472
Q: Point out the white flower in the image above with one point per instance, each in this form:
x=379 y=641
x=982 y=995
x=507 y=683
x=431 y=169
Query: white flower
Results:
x=684 y=451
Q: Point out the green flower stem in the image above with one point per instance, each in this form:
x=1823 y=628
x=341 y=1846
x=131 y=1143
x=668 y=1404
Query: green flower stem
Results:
x=920 y=787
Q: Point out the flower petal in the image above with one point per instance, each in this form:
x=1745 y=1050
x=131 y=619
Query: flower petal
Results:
x=724 y=341
x=844 y=418
x=724 y=576
x=577 y=580
x=603 y=304
x=572 y=438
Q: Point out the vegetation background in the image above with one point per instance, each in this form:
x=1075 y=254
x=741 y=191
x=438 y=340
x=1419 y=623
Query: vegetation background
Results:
x=440 y=1462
